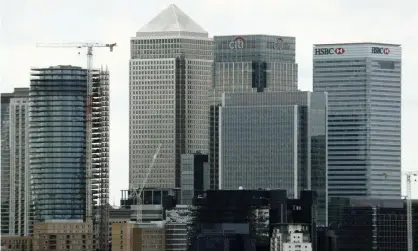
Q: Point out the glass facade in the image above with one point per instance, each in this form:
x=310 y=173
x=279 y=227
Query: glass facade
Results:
x=364 y=123
x=170 y=75
x=371 y=224
x=248 y=63
x=5 y=163
x=15 y=209
x=58 y=142
x=194 y=176
x=275 y=140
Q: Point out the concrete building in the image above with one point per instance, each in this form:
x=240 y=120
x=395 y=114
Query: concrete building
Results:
x=153 y=203
x=15 y=182
x=121 y=236
x=275 y=140
x=363 y=82
x=117 y=215
x=194 y=176
x=170 y=72
x=63 y=235
x=248 y=63
x=16 y=243
x=148 y=236
x=177 y=223
x=291 y=237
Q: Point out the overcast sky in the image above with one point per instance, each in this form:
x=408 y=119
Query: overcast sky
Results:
x=27 y=22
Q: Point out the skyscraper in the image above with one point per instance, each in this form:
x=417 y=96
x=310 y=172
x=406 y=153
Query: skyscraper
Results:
x=363 y=81
x=59 y=113
x=15 y=183
x=275 y=140
x=248 y=63
x=170 y=75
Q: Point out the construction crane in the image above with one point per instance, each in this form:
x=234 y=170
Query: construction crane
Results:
x=137 y=193
x=409 y=175
x=88 y=155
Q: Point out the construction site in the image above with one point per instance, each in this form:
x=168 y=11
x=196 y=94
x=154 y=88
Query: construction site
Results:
x=94 y=162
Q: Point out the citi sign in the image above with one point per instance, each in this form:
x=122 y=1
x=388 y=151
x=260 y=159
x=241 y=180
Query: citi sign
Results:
x=329 y=51
x=280 y=44
x=237 y=43
x=380 y=50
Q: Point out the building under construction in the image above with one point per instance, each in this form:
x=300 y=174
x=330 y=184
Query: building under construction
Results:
x=69 y=146
x=100 y=154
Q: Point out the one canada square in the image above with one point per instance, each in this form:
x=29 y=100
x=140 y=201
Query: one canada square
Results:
x=170 y=76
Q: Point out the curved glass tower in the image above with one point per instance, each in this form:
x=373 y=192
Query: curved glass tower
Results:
x=57 y=142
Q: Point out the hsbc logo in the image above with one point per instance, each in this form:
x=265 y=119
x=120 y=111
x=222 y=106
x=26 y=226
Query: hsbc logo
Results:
x=238 y=43
x=339 y=51
x=380 y=50
x=329 y=51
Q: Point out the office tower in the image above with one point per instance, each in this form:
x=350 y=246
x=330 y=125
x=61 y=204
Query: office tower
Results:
x=363 y=82
x=61 y=105
x=275 y=140
x=374 y=224
x=248 y=63
x=170 y=75
x=15 y=186
x=194 y=176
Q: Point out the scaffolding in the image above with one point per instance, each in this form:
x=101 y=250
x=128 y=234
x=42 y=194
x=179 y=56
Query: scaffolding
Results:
x=100 y=155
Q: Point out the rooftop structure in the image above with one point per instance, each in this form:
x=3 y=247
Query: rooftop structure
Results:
x=172 y=22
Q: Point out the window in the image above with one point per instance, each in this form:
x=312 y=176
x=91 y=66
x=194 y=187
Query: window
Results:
x=390 y=65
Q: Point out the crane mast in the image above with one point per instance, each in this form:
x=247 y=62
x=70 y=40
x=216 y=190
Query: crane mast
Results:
x=137 y=193
x=89 y=128
x=409 y=227
x=410 y=234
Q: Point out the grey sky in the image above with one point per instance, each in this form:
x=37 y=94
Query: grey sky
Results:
x=27 y=22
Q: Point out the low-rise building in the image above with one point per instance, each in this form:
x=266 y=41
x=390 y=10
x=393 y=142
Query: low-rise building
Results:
x=16 y=243
x=121 y=235
x=177 y=222
x=291 y=237
x=63 y=235
x=148 y=236
x=132 y=236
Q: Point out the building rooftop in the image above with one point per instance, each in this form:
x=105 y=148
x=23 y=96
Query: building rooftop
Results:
x=172 y=21
x=358 y=43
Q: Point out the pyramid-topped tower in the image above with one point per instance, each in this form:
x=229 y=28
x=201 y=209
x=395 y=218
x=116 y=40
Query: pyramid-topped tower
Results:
x=172 y=22
x=170 y=73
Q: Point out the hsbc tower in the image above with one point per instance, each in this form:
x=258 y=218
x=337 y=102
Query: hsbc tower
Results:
x=363 y=82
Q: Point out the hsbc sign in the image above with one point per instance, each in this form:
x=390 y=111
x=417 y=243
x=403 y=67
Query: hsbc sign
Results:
x=380 y=50
x=329 y=51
